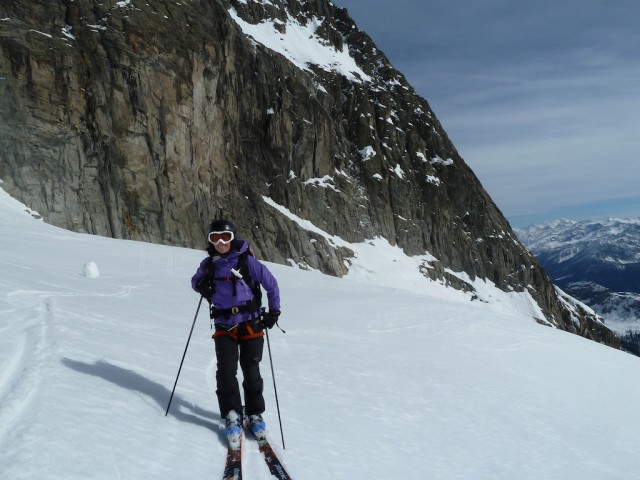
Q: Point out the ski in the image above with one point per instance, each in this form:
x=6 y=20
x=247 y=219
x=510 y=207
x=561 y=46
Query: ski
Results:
x=233 y=467
x=273 y=462
x=271 y=459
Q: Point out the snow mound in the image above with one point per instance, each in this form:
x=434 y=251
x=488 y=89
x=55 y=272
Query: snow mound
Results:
x=90 y=270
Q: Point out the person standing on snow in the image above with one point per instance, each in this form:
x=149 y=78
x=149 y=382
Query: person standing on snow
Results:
x=230 y=278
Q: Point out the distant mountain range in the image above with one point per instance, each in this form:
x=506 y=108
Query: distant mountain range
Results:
x=597 y=262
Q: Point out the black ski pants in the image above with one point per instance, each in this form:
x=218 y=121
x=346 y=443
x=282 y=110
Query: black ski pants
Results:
x=244 y=345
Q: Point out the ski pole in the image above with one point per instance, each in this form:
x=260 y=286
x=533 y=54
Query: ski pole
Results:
x=275 y=389
x=183 y=355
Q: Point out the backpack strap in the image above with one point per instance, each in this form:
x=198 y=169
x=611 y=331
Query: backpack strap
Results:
x=243 y=267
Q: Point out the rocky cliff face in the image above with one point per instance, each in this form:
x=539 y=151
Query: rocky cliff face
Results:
x=145 y=120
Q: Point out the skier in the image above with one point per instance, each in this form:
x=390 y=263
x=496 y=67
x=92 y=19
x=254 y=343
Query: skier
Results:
x=230 y=278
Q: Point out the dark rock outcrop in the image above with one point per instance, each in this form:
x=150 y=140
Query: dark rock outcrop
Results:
x=145 y=120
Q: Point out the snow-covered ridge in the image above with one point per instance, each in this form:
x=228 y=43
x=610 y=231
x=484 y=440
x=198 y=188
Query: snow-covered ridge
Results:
x=376 y=261
x=300 y=43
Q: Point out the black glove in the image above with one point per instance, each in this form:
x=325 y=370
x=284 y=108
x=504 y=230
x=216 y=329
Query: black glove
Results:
x=205 y=288
x=270 y=318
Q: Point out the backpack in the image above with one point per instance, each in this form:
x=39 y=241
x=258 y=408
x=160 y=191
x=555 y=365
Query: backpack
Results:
x=242 y=268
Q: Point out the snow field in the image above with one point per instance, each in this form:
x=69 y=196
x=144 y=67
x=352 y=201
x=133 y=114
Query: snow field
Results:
x=374 y=381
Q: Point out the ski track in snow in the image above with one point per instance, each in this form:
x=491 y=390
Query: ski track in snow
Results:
x=22 y=375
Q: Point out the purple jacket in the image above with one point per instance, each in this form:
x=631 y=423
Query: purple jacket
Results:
x=223 y=298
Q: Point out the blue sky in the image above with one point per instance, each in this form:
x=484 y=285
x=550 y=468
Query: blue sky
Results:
x=541 y=99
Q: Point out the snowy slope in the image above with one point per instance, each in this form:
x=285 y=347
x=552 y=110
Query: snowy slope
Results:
x=374 y=381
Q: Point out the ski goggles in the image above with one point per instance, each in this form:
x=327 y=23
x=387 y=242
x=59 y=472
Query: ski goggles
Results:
x=221 y=237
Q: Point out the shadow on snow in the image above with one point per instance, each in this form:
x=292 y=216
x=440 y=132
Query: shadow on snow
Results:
x=160 y=394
